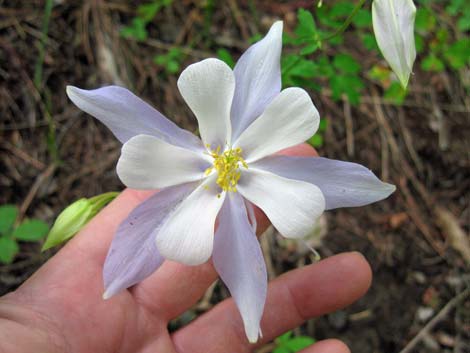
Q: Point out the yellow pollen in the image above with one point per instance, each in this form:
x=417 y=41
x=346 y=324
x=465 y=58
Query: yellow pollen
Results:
x=227 y=166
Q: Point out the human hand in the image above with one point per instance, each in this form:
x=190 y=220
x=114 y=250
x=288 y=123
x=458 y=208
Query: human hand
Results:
x=60 y=308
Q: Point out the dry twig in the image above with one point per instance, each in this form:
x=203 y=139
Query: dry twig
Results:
x=435 y=320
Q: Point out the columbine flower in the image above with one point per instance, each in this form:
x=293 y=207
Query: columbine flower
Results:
x=244 y=118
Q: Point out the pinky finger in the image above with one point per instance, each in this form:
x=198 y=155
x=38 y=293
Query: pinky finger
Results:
x=327 y=346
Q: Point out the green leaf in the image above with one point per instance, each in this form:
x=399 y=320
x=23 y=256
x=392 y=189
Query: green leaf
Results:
x=458 y=54
x=432 y=63
x=226 y=57
x=463 y=23
x=316 y=140
x=455 y=6
x=306 y=26
x=8 y=214
x=395 y=93
x=309 y=49
x=31 y=230
x=419 y=43
x=147 y=12
x=284 y=338
x=173 y=67
x=346 y=63
x=323 y=125
x=363 y=19
x=281 y=350
x=349 y=85
x=341 y=9
x=137 y=30
x=8 y=249
x=73 y=218
x=160 y=59
x=425 y=20
x=296 y=344
x=286 y=343
x=325 y=67
x=171 y=61
x=369 y=41
x=305 y=68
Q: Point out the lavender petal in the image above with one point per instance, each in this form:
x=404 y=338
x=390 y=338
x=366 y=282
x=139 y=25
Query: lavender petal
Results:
x=126 y=115
x=133 y=254
x=239 y=261
x=257 y=79
x=343 y=184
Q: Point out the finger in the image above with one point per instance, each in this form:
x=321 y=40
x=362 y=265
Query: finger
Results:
x=327 y=346
x=301 y=294
x=178 y=286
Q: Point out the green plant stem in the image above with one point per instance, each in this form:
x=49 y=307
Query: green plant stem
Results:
x=42 y=44
x=345 y=23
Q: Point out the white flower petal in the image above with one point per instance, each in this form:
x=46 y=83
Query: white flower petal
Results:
x=239 y=261
x=292 y=206
x=149 y=163
x=207 y=87
x=258 y=79
x=393 y=22
x=188 y=234
x=291 y=118
x=126 y=115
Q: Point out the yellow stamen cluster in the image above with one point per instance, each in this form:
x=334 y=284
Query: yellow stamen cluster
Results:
x=227 y=166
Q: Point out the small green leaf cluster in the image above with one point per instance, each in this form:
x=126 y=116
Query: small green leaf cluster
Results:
x=171 y=61
x=307 y=57
x=137 y=30
x=287 y=343
x=74 y=217
x=30 y=230
x=435 y=42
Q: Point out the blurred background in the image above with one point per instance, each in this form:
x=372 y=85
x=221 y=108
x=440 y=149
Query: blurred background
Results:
x=52 y=154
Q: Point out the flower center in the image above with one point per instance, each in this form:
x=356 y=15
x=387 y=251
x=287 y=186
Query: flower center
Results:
x=227 y=165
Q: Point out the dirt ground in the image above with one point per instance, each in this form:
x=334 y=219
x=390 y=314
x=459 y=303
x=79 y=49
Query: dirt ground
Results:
x=52 y=154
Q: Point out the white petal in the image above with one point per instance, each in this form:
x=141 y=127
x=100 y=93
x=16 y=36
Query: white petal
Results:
x=258 y=79
x=239 y=261
x=126 y=115
x=207 y=87
x=393 y=22
x=147 y=162
x=292 y=206
x=188 y=234
x=290 y=119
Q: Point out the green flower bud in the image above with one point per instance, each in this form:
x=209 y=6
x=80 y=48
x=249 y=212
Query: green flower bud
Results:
x=73 y=218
